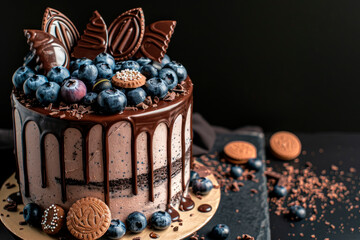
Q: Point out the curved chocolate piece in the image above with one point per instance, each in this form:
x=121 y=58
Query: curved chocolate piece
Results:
x=156 y=40
x=60 y=26
x=49 y=50
x=126 y=33
x=94 y=40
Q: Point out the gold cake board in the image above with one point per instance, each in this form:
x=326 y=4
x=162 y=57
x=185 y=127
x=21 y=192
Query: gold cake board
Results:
x=193 y=220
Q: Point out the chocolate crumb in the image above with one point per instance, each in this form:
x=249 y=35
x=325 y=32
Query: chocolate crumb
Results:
x=22 y=223
x=176 y=228
x=142 y=105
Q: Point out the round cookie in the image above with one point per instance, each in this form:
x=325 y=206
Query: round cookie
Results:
x=88 y=218
x=128 y=79
x=53 y=219
x=239 y=152
x=285 y=145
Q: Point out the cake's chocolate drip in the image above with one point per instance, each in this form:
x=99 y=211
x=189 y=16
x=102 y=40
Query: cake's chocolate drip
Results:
x=151 y=166
x=169 y=162
x=175 y=216
x=15 y=143
x=205 y=208
x=43 y=160
x=142 y=121
x=105 y=151
x=24 y=155
x=186 y=204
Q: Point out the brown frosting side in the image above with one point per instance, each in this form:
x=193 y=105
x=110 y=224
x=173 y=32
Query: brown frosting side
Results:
x=142 y=120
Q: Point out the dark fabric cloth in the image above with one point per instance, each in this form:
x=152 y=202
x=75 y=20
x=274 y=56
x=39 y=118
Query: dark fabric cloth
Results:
x=205 y=134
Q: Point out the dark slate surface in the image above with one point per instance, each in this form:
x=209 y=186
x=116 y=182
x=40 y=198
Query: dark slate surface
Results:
x=323 y=150
x=253 y=210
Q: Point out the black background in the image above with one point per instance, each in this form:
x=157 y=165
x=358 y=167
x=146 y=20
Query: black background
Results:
x=289 y=65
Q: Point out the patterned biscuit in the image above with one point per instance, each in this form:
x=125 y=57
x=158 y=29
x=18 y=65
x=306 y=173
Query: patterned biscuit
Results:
x=285 y=145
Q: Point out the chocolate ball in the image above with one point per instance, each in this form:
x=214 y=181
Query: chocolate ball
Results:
x=102 y=84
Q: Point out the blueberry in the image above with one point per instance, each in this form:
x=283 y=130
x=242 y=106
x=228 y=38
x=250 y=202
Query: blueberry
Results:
x=116 y=230
x=48 y=93
x=73 y=91
x=156 y=87
x=179 y=69
x=136 y=222
x=160 y=220
x=143 y=61
x=33 y=83
x=20 y=76
x=193 y=176
x=297 y=212
x=90 y=98
x=112 y=101
x=169 y=76
x=165 y=60
x=74 y=65
x=88 y=73
x=156 y=65
x=255 y=164
x=136 y=96
x=220 y=231
x=236 y=172
x=101 y=85
x=105 y=58
x=149 y=71
x=75 y=74
x=32 y=214
x=104 y=70
x=130 y=64
x=280 y=191
x=202 y=186
x=118 y=66
x=58 y=74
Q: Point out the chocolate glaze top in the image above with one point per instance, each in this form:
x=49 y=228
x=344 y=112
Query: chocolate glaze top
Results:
x=126 y=114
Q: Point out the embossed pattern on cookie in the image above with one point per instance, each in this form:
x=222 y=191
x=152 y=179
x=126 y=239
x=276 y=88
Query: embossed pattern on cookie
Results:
x=240 y=152
x=88 y=218
x=61 y=27
x=126 y=33
x=285 y=145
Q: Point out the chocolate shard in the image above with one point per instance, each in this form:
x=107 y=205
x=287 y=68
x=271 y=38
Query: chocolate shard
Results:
x=126 y=33
x=94 y=40
x=60 y=26
x=49 y=50
x=156 y=40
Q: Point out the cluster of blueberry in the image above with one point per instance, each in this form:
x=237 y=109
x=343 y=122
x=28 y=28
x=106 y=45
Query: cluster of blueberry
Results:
x=136 y=222
x=89 y=82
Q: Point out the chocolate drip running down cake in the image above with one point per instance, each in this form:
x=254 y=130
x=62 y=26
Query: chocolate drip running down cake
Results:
x=133 y=155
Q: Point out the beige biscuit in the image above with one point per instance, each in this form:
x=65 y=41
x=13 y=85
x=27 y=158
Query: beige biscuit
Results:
x=239 y=152
x=285 y=145
x=88 y=218
x=128 y=79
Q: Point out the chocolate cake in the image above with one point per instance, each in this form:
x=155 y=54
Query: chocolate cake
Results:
x=134 y=156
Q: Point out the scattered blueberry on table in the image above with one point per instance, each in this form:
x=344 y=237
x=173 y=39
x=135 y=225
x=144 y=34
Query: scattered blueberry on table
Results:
x=236 y=171
x=193 y=175
x=297 y=212
x=220 y=231
x=280 y=191
x=255 y=164
x=116 y=230
x=32 y=214
x=160 y=220
x=136 y=222
x=202 y=186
